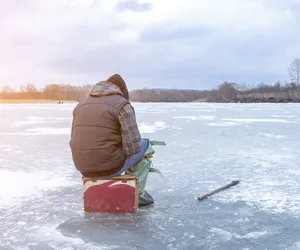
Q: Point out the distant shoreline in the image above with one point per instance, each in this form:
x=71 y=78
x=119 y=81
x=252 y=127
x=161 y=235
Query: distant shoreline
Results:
x=34 y=101
x=48 y=101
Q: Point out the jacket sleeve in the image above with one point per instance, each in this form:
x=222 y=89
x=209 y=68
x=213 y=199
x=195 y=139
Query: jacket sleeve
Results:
x=130 y=133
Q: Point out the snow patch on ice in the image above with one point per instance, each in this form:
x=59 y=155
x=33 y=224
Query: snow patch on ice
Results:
x=195 y=118
x=40 y=120
x=294 y=171
x=295 y=246
x=283 y=116
x=229 y=236
x=21 y=223
x=36 y=118
x=50 y=131
x=203 y=110
x=51 y=235
x=253 y=235
x=222 y=124
x=152 y=127
x=7 y=148
x=271 y=171
x=42 y=131
x=18 y=133
x=250 y=120
x=272 y=135
x=24 y=123
x=16 y=187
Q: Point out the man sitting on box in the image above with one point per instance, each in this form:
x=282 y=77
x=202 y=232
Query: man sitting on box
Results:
x=105 y=139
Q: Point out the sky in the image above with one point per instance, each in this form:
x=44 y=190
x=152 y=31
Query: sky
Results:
x=195 y=44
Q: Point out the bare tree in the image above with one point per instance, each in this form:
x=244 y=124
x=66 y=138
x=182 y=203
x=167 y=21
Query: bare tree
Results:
x=29 y=88
x=228 y=91
x=7 y=89
x=294 y=73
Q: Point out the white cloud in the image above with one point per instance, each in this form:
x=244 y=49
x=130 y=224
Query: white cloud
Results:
x=190 y=43
x=226 y=16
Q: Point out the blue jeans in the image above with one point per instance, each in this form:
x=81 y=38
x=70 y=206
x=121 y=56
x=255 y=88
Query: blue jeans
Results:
x=133 y=159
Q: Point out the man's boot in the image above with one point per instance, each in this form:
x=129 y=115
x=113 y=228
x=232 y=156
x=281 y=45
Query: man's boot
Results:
x=145 y=199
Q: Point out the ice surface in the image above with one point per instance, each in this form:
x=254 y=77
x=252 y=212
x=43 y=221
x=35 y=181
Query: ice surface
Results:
x=229 y=236
x=46 y=119
x=194 y=118
x=152 y=127
x=19 y=186
x=221 y=124
x=272 y=135
x=208 y=145
x=50 y=131
x=256 y=120
x=42 y=131
x=22 y=123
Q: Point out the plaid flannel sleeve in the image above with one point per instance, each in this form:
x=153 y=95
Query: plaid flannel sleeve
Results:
x=129 y=130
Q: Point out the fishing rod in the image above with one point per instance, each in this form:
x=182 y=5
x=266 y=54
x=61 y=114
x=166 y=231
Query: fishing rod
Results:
x=231 y=184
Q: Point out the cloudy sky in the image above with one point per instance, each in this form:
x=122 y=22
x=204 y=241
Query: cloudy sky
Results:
x=151 y=43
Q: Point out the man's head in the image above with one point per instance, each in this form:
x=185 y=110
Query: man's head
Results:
x=119 y=81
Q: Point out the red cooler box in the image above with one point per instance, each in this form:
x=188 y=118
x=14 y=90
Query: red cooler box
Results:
x=116 y=195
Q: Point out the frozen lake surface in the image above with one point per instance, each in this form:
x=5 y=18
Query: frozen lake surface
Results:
x=208 y=145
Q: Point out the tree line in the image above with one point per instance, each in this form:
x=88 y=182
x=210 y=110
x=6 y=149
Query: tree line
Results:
x=231 y=91
x=226 y=92
x=51 y=92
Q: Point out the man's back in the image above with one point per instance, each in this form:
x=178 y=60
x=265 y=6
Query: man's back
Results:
x=96 y=140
